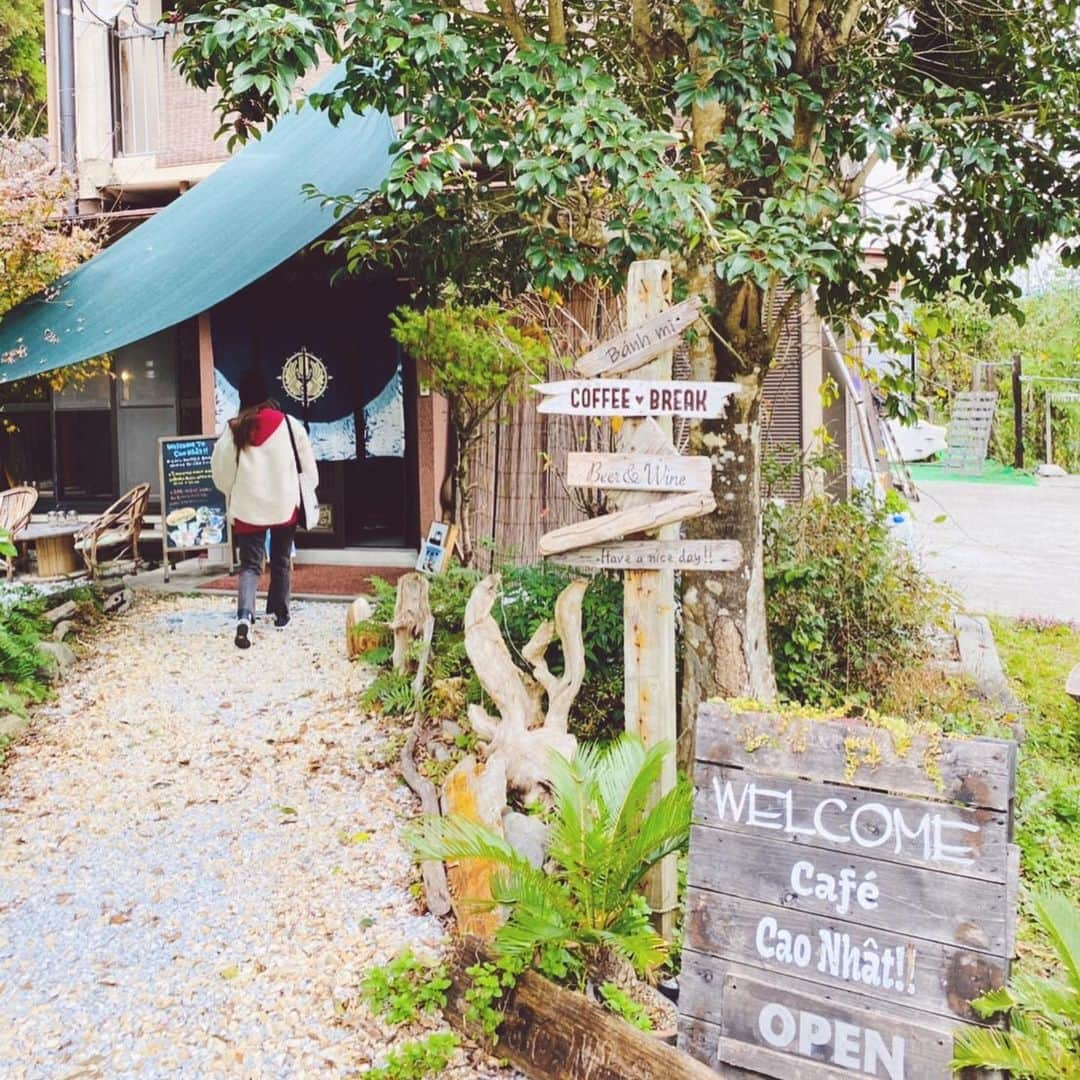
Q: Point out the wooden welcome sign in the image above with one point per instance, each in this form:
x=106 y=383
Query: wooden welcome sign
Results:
x=846 y=901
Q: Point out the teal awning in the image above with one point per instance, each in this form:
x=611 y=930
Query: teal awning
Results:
x=247 y=217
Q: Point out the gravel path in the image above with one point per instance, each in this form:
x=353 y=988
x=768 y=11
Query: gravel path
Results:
x=195 y=865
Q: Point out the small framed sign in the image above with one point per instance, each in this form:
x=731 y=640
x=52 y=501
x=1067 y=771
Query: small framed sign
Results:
x=194 y=515
x=436 y=550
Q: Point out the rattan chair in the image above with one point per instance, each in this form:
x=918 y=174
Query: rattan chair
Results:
x=117 y=530
x=16 y=506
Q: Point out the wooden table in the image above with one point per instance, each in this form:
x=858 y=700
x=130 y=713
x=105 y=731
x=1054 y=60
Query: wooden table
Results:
x=55 y=545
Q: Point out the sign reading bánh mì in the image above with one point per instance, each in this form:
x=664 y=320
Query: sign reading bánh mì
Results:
x=849 y=895
x=635 y=347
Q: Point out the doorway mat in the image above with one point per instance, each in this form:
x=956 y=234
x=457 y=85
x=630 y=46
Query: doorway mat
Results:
x=319 y=579
x=992 y=472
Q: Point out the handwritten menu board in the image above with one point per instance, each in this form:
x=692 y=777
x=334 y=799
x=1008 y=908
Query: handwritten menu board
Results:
x=192 y=509
x=850 y=891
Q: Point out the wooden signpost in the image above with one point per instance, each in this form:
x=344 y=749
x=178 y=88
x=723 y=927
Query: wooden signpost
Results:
x=644 y=342
x=657 y=555
x=639 y=472
x=634 y=397
x=654 y=489
x=848 y=896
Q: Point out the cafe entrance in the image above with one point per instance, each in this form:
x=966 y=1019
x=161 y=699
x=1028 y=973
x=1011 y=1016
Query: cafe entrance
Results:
x=326 y=351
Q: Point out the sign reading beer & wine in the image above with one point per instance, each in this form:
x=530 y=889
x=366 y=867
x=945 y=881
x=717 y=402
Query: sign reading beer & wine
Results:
x=850 y=891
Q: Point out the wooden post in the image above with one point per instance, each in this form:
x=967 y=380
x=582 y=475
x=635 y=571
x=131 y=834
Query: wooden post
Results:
x=1049 y=427
x=649 y=603
x=1018 y=412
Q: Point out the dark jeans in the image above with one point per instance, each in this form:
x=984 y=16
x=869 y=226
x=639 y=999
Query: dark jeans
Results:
x=251 y=547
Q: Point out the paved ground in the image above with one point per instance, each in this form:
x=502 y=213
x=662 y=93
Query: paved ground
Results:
x=195 y=864
x=1007 y=550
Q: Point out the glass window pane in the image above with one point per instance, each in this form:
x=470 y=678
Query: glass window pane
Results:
x=26 y=451
x=84 y=454
x=138 y=431
x=147 y=370
x=94 y=392
x=25 y=390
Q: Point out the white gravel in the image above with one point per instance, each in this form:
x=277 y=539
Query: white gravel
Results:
x=196 y=867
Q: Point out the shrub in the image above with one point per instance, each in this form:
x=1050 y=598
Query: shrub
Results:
x=845 y=604
x=1043 y=1042
x=528 y=598
x=604 y=837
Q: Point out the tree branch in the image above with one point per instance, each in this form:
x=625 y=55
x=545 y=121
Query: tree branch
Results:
x=556 y=22
x=514 y=24
x=641 y=24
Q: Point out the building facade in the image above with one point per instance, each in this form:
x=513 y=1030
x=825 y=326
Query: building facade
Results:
x=142 y=139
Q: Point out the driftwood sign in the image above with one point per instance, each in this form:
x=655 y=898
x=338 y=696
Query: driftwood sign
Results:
x=665 y=511
x=634 y=397
x=639 y=472
x=635 y=347
x=849 y=894
x=657 y=555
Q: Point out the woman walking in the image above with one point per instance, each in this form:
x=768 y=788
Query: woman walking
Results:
x=258 y=463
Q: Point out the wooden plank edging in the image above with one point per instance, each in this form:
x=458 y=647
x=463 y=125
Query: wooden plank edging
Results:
x=550 y=1033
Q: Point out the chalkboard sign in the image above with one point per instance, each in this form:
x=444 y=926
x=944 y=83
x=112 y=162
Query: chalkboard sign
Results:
x=193 y=511
x=849 y=894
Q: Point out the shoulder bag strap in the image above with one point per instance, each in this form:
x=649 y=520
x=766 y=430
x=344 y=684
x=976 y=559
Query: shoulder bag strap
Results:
x=292 y=439
x=296 y=458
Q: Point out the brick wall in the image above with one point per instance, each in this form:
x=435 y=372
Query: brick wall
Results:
x=188 y=119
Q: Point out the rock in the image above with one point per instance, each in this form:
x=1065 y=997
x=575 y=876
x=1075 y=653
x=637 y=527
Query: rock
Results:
x=118 y=602
x=1072 y=683
x=59 y=614
x=62 y=629
x=12 y=726
x=60 y=659
x=477 y=793
x=980 y=662
x=1046 y=469
x=528 y=836
x=451 y=730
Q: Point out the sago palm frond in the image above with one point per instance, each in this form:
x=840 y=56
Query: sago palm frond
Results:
x=1060 y=921
x=663 y=832
x=626 y=782
x=642 y=946
x=1026 y=1055
x=1051 y=998
x=456 y=837
x=540 y=912
x=1044 y=1013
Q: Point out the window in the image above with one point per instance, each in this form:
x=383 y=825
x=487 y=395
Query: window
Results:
x=84 y=445
x=136 y=66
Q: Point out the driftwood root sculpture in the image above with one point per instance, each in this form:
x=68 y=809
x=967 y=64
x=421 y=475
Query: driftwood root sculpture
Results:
x=520 y=739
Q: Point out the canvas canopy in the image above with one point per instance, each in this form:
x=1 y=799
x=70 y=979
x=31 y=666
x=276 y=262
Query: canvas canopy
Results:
x=247 y=217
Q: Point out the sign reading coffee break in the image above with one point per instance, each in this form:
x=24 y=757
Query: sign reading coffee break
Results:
x=850 y=892
x=193 y=511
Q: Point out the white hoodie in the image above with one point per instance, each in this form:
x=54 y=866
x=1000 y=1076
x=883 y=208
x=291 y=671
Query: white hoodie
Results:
x=261 y=481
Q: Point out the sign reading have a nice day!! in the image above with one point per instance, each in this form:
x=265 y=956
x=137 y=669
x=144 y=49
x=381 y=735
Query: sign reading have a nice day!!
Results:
x=849 y=894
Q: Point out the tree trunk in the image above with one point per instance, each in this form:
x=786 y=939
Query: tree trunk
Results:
x=725 y=640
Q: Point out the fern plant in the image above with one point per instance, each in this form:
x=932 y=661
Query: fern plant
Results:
x=603 y=839
x=1043 y=1040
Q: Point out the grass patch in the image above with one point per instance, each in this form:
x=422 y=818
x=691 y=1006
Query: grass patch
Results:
x=1037 y=656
